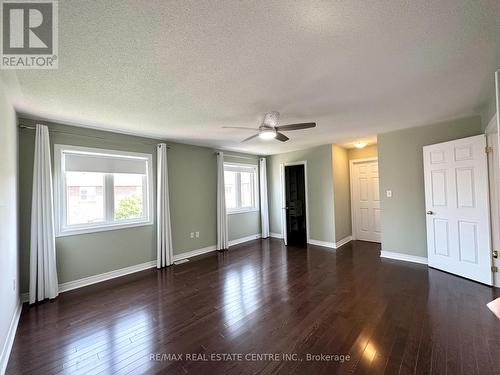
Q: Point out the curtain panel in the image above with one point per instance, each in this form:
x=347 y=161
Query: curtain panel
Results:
x=43 y=270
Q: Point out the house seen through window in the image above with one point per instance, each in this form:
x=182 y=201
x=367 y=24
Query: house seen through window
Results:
x=101 y=189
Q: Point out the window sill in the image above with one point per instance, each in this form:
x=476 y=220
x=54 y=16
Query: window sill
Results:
x=235 y=212
x=103 y=228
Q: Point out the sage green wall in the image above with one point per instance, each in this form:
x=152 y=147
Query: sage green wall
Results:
x=9 y=263
x=341 y=192
x=363 y=153
x=192 y=180
x=401 y=170
x=243 y=225
x=319 y=185
x=488 y=109
x=192 y=183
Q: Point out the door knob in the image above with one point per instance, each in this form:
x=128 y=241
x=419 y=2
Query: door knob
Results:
x=430 y=213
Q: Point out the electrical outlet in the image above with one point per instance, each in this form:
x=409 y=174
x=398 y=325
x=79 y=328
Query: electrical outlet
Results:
x=197 y=234
x=191 y=235
x=388 y=193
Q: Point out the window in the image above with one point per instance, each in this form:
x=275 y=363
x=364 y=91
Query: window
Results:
x=240 y=187
x=99 y=189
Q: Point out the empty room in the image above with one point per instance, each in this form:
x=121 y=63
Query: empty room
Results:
x=249 y=187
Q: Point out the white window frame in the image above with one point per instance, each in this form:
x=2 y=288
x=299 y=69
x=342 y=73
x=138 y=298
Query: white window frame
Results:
x=241 y=167
x=60 y=208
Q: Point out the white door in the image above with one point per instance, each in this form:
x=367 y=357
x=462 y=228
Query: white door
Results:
x=457 y=208
x=365 y=200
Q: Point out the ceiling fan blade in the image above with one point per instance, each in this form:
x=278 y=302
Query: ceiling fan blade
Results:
x=247 y=139
x=302 y=125
x=281 y=137
x=239 y=127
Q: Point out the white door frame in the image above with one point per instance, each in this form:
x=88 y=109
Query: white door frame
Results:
x=283 y=197
x=351 y=184
x=494 y=184
x=497 y=102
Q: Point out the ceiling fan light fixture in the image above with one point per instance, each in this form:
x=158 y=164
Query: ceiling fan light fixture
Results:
x=360 y=144
x=267 y=134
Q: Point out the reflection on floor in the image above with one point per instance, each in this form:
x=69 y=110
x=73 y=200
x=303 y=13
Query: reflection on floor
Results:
x=262 y=307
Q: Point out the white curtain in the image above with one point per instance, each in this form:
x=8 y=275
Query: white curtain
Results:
x=43 y=270
x=163 y=231
x=264 y=212
x=222 y=235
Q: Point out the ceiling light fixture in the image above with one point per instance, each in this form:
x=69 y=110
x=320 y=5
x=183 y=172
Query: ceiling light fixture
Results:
x=360 y=144
x=267 y=134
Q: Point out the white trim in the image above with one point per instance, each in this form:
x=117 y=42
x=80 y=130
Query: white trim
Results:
x=321 y=243
x=275 y=235
x=80 y=283
x=194 y=253
x=102 y=228
x=343 y=241
x=60 y=196
x=237 y=241
x=181 y=261
x=9 y=340
x=248 y=168
x=353 y=208
x=403 y=257
x=242 y=211
x=70 y=285
x=494 y=184
x=283 y=202
x=90 y=280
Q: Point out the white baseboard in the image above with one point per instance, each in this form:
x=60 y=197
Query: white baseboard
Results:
x=9 y=341
x=80 y=283
x=403 y=257
x=343 y=241
x=332 y=245
x=64 y=287
x=245 y=239
x=193 y=253
x=70 y=285
x=321 y=243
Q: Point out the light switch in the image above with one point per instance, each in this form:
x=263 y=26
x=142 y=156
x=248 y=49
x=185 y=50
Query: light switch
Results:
x=388 y=193
x=192 y=235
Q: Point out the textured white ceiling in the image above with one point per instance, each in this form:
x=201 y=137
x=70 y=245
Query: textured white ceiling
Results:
x=182 y=69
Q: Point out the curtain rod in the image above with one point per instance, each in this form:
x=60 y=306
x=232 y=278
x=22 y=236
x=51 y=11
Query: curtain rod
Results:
x=238 y=156
x=83 y=135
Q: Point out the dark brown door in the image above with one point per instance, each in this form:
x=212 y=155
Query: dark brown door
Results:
x=295 y=194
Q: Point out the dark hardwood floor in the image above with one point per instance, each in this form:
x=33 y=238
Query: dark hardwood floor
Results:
x=260 y=297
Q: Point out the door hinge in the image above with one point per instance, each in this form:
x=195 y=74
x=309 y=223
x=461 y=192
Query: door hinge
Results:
x=494 y=269
x=488 y=149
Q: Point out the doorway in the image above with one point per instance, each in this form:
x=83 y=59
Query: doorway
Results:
x=294 y=200
x=365 y=200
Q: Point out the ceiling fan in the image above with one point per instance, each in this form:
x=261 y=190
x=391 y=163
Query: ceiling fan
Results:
x=270 y=128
